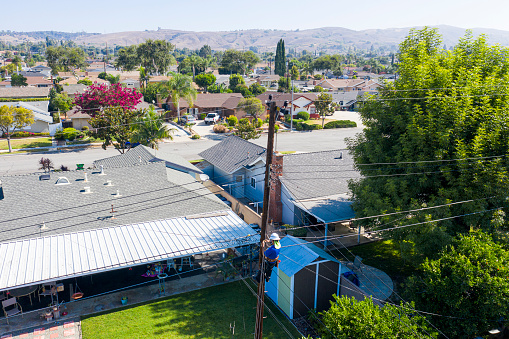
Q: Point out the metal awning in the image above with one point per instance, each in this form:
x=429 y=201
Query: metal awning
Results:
x=40 y=260
x=328 y=209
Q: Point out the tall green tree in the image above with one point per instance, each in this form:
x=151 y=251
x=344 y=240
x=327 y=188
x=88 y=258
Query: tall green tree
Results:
x=65 y=59
x=349 y=318
x=150 y=129
x=280 y=60
x=127 y=58
x=235 y=80
x=324 y=106
x=447 y=107
x=180 y=86
x=18 y=80
x=12 y=118
x=205 y=51
x=469 y=281
x=155 y=57
x=205 y=80
x=234 y=61
x=62 y=102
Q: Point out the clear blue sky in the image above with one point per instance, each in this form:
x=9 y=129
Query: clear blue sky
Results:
x=107 y=16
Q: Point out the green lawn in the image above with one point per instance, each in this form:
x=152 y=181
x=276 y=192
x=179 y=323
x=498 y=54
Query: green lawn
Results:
x=206 y=313
x=26 y=143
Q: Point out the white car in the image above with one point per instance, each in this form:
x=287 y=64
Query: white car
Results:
x=211 y=118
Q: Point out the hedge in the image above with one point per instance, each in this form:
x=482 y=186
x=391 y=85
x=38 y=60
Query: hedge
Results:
x=303 y=115
x=302 y=126
x=23 y=99
x=340 y=124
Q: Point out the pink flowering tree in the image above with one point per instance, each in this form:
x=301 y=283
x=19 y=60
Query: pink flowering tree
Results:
x=100 y=96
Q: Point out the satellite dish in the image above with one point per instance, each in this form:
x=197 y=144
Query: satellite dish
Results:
x=204 y=177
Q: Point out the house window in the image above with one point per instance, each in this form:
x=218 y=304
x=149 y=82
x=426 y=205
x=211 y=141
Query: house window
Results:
x=253 y=182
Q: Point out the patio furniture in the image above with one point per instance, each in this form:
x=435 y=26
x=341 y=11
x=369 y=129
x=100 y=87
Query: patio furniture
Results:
x=356 y=265
x=11 y=307
x=24 y=291
x=3 y=296
x=186 y=261
x=48 y=289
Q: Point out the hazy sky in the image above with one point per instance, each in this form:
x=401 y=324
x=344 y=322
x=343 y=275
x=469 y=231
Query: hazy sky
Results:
x=107 y=16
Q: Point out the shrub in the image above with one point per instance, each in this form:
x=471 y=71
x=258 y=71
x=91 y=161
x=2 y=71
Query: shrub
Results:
x=302 y=126
x=195 y=136
x=220 y=128
x=25 y=134
x=303 y=115
x=232 y=120
x=276 y=128
x=67 y=134
x=202 y=116
x=259 y=123
x=299 y=232
x=85 y=128
x=340 y=124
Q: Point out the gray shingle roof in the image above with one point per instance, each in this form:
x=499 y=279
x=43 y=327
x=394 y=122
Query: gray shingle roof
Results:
x=142 y=154
x=148 y=192
x=24 y=92
x=318 y=174
x=233 y=153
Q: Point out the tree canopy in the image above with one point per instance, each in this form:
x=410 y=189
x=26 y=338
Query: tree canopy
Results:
x=153 y=55
x=18 y=80
x=469 y=281
x=150 y=129
x=444 y=124
x=12 y=118
x=246 y=129
x=65 y=59
x=252 y=107
x=234 y=61
x=280 y=60
x=205 y=80
x=181 y=86
x=99 y=96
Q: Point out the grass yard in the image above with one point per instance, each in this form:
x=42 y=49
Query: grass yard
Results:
x=206 y=313
x=25 y=143
x=318 y=121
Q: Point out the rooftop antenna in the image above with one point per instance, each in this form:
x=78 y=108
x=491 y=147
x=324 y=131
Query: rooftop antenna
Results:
x=113 y=212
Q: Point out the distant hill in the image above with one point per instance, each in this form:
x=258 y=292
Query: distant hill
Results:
x=330 y=39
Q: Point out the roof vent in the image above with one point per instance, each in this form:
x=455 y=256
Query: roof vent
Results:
x=86 y=177
x=340 y=156
x=139 y=157
x=108 y=183
x=117 y=194
x=102 y=170
x=44 y=177
x=43 y=226
x=1 y=191
x=62 y=181
x=86 y=190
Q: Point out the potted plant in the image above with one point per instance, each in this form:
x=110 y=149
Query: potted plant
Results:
x=124 y=300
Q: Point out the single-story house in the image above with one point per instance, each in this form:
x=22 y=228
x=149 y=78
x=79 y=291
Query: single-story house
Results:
x=81 y=223
x=42 y=69
x=347 y=85
x=74 y=90
x=130 y=83
x=42 y=119
x=225 y=104
x=238 y=166
x=302 y=102
x=267 y=80
x=307 y=278
x=25 y=92
x=347 y=101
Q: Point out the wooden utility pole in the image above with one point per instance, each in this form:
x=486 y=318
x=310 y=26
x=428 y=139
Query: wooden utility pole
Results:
x=265 y=217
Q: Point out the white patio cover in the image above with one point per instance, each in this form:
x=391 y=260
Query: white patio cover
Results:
x=39 y=260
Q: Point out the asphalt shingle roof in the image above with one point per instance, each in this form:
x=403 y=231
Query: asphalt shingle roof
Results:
x=148 y=192
x=24 y=92
x=142 y=155
x=233 y=153
x=312 y=175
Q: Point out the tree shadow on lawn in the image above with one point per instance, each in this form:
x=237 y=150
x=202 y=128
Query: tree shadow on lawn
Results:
x=205 y=313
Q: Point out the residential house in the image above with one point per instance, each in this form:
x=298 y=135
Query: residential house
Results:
x=82 y=224
x=45 y=70
x=130 y=83
x=42 y=119
x=312 y=188
x=347 y=85
x=74 y=90
x=302 y=102
x=25 y=93
x=347 y=101
x=238 y=166
x=225 y=104
x=268 y=80
x=32 y=81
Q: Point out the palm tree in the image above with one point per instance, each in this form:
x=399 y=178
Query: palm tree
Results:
x=151 y=129
x=181 y=86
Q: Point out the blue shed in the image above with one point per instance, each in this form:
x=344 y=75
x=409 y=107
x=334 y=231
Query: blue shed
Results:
x=306 y=278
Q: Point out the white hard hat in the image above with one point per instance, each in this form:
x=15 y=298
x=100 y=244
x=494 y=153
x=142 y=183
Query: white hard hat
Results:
x=274 y=236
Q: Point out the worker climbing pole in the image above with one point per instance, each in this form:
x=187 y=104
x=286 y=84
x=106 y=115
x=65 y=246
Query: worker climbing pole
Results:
x=271 y=258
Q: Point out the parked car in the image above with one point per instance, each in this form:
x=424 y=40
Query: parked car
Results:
x=211 y=118
x=188 y=119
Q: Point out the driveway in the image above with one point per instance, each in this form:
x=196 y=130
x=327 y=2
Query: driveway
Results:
x=348 y=115
x=202 y=129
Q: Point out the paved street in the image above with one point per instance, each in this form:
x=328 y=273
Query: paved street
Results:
x=320 y=140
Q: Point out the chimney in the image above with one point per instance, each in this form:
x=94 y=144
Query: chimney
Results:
x=275 y=205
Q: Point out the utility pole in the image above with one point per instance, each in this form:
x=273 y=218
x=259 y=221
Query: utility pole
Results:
x=265 y=212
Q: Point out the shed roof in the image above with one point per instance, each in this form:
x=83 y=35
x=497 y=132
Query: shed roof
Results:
x=296 y=254
x=328 y=209
x=233 y=153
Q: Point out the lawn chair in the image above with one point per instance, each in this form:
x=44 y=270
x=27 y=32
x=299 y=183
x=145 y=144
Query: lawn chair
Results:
x=356 y=265
x=3 y=296
x=11 y=307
